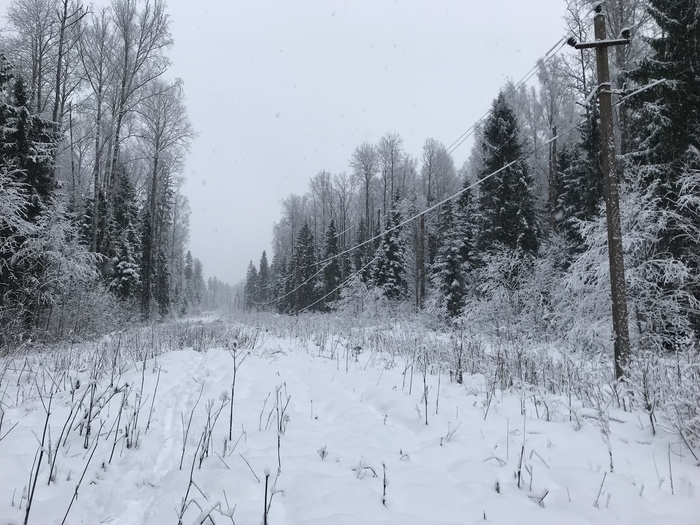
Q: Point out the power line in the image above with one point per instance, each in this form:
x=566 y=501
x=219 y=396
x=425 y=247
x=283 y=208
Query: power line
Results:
x=326 y=262
x=458 y=142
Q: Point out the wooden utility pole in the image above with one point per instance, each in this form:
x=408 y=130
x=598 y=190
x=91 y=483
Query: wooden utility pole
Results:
x=612 y=201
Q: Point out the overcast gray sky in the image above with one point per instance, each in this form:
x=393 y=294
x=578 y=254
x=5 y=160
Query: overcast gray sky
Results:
x=279 y=90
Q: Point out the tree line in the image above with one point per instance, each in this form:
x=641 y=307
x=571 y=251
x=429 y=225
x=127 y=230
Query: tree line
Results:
x=516 y=237
x=93 y=138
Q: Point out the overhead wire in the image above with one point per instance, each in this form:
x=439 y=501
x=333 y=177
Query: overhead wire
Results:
x=413 y=218
x=541 y=62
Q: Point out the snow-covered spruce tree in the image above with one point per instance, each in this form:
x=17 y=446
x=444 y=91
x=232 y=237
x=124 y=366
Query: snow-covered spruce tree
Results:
x=362 y=254
x=27 y=150
x=580 y=180
x=447 y=276
x=659 y=297
x=54 y=264
x=465 y=230
x=665 y=151
x=281 y=284
x=125 y=272
x=251 y=286
x=506 y=206
x=332 y=269
x=304 y=270
x=263 y=284
x=390 y=267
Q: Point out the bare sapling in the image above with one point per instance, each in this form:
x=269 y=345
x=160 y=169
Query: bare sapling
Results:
x=602 y=405
x=185 y=500
x=262 y=411
x=236 y=365
x=122 y=405
x=384 y=485
x=153 y=400
x=34 y=474
x=450 y=433
x=596 y=503
x=437 y=394
x=212 y=418
x=82 y=476
x=520 y=465
x=52 y=462
x=132 y=440
x=186 y=426
x=88 y=415
x=459 y=360
x=282 y=420
x=424 y=371
x=266 y=508
x=490 y=393
x=4 y=434
x=670 y=470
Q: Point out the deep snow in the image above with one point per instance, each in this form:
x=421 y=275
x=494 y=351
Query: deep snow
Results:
x=348 y=417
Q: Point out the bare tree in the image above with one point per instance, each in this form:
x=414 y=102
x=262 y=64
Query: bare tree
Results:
x=95 y=48
x=165 y=134
x=437 y=172
x=321 y=196
x=344 y=191
x=141 y=36
x=365 y=164
x=390 y=155
x=34 y=46
x=69 y=17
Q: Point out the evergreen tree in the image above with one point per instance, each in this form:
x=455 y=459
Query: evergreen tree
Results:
x=28 y=145
x=666 y=134
x=581 y=180
x=666 y=121
x=304 y=270
x=447 y=269
x=125 y=270
x=279 y=281
x=263 y=285
x=362 y=254
x=506 y=205
x=465 y=229
x=390 y=267
x=332 y=271
x=251 y=286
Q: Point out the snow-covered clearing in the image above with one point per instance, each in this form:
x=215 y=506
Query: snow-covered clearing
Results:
x=330 y=420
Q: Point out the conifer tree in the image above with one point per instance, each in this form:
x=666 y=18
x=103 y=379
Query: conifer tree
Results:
x=666 y=121
x=665 y=150
x=447 y=269
x=390 y=267
x=251 y=286
x=304 y=270
x=362 y=254
x=581 y=179
x=465 y=228
x=506 y=205
x=332 y=269
x=263 y=284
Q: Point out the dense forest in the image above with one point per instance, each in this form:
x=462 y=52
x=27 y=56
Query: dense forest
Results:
x=93 y=138
x=515 y=239
x=94 y=227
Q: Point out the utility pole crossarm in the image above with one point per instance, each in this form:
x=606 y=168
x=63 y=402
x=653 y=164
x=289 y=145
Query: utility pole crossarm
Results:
x=603 y=43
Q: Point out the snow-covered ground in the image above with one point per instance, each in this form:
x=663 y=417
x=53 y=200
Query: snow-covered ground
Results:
x=330 y=423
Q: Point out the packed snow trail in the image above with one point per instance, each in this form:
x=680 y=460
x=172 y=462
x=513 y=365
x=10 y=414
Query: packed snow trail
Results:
x=347 y=420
